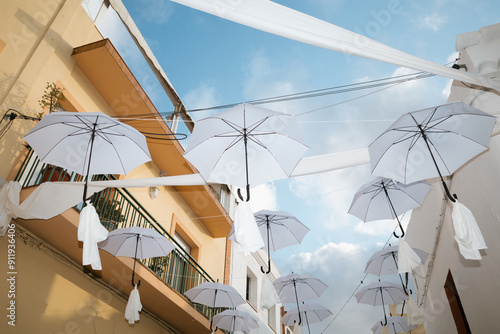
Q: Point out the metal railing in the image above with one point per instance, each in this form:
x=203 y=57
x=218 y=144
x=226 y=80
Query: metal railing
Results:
x=117 y=208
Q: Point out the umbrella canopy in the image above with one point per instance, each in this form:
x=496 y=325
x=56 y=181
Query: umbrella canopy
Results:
x=136 y=242
x=278 y=229
x=215 y=294
x=248 y=145
x=310 y=312
x=295 y=288
x=384 y=198
x=381 y=293
x=394 y=325
x=88 y=143
x=385 y=261
x=235 y=320
x=65 y=139
x=431 y=142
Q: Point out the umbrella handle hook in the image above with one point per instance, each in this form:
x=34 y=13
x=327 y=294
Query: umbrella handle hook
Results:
x=138 y=281
x=384 y=323
x=248 y=194
x=268 y=268
x=212 y=329
x=402 y=231
x=453 y=198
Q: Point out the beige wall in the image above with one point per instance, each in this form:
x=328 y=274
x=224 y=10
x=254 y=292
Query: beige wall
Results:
x=52 y=295
x=477 y=186
x=169 y=203
x=39 y=37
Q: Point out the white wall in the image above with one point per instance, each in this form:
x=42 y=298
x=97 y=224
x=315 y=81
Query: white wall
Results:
x=240 y=266
x=477 y=185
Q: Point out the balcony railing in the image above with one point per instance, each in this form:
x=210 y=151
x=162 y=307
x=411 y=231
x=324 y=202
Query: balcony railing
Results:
x=117 y=208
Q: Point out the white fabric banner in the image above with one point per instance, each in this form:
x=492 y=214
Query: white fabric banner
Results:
x=274 y=18
x=53 y=198
x=46 y=201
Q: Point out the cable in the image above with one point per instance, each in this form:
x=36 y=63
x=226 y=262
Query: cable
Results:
x=355 y=290
x=316 y=93
x=10 y=119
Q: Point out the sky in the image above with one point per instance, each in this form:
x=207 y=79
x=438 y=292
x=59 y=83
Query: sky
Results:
x=212 y=62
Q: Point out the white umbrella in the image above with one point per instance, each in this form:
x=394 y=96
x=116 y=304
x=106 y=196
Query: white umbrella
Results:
x=248 y=145
x=391 y=260
x=394 y=325
x=278 y=229
x=295 y=288
x=384 y=198
x=138 y=243
x=235 y=320
x=88 y=143
x=381 y=293
x=385 y=261
x=215 y=294
x=310 y=312
x=431 y=142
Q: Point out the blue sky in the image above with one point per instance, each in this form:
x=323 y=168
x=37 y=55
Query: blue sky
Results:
x=212 y=62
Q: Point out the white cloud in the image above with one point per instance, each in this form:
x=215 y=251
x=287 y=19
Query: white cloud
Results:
x=201 y=97
x=321 y=260
x=432 y=21
x=263 y=197
x=375 y=228
x=266 y=77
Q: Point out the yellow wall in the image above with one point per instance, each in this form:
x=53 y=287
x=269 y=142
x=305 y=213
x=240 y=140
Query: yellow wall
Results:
x=52 y=296
x=39 y=37
x=169 y=203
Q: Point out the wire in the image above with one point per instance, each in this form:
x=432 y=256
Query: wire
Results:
x=391 y=81
x=175 y=136
x=10 y=119
x=355 y=290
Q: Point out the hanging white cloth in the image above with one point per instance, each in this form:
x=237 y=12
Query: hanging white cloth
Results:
x=90 y=232
x=134 y=306
x=297 y=330
x=53 y=198
x=274 y=18
x=414 y=315
x=246 y=232
x=385 y=330
x=467 y=233
x=269 y=296
x=407 y=258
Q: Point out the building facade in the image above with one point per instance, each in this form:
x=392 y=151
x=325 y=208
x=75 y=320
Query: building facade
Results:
x=49 y=291
x=456 y=294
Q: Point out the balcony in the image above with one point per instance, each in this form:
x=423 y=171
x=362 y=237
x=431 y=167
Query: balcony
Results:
x=117 y=208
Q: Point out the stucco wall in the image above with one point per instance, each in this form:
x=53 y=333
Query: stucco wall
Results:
x=476 y=185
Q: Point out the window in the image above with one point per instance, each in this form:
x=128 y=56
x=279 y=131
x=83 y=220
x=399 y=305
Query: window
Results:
x=251 y=289
x=186 y=240
x=271 y=317
x=456 y=305
x=182 y=243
